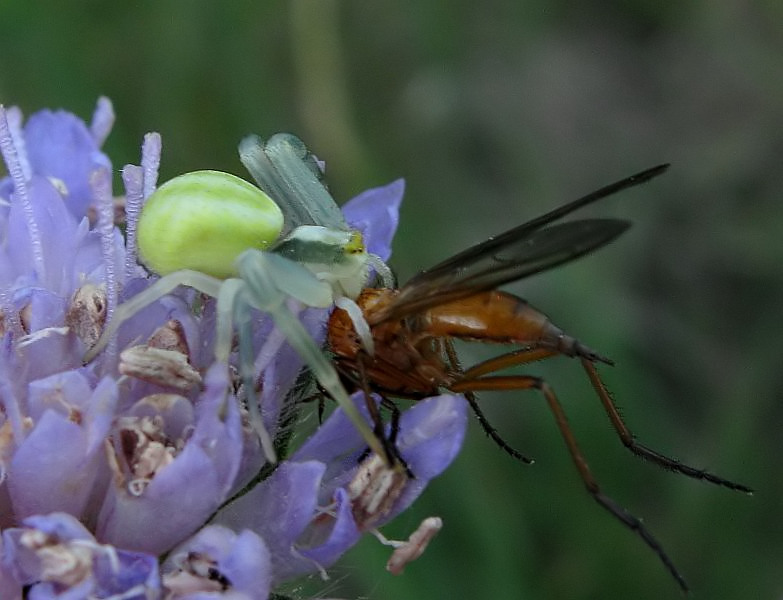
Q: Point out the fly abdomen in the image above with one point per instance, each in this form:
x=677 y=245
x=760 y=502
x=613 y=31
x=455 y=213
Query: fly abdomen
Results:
x=488 y=317
x=555 y=338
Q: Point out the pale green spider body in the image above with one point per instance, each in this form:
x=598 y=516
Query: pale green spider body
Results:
x=320 y=262
x=338 y=257
x=219 y=217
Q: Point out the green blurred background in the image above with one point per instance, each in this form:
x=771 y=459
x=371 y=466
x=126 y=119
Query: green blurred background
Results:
x=494 y=112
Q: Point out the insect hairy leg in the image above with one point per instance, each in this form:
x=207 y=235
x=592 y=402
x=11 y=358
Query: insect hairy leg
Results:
x=629 y=441
x=522 y=382
x=493 y=434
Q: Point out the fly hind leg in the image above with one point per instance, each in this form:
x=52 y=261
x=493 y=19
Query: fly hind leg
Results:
x=523 y=382
x=588 y=359
x=643 y=451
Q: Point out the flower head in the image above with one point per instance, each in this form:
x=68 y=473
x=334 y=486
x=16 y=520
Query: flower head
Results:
x=145 y=453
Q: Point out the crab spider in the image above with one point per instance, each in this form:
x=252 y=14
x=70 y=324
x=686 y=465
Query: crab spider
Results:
x=220 y=235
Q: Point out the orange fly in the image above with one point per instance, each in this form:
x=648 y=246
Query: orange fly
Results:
x=412 y=328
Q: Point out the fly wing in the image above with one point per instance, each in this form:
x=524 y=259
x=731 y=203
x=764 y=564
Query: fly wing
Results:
x=285 y=169
x=537 y=251
x=514 y=235
x=530 y=248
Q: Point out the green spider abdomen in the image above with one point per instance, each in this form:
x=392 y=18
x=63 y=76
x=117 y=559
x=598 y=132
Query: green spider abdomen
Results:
x=202 y=221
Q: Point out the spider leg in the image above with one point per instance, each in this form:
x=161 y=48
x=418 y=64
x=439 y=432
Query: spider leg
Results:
x=247 y=372
x=225 y=314
x=272 y=280
x=383 y=271
x=360 y=325
x=522 y=382
x=165 y=285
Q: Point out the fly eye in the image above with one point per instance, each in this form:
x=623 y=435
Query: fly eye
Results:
x=203 y=220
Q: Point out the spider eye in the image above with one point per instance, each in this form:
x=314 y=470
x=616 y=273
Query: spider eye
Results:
x=355 y=244
x=202 y=221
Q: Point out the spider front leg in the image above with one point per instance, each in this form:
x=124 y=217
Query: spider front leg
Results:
x=272 y=279
x=205 y=284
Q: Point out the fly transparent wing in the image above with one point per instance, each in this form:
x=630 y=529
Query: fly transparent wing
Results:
x=529 y=248
x=284 y=168
x=490 y=246
x=538 y=251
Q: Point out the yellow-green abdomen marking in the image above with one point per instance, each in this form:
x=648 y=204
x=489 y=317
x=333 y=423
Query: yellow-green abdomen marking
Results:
x=202 y=221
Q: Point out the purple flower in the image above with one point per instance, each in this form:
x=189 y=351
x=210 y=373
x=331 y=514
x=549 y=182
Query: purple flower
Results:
x=171 y=468
x=318 y=522
x=375 y=212
x=59 y=558
x=63 y=407
x=216 y=559
x=59 y=146
x=146 y=452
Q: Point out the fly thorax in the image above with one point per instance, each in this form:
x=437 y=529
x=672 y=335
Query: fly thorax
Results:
x=432 y=374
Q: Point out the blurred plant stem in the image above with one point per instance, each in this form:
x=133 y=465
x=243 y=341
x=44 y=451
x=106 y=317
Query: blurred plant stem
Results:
x=322 y=87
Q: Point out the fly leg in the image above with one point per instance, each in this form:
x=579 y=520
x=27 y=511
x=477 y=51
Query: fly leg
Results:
x=522 y=356
x=491 y=432
x=394 y=425
x=389 y=447
x=638 y=449
x=394 y=430
x=358 y=379
x=526 y=355
x=522 y=382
